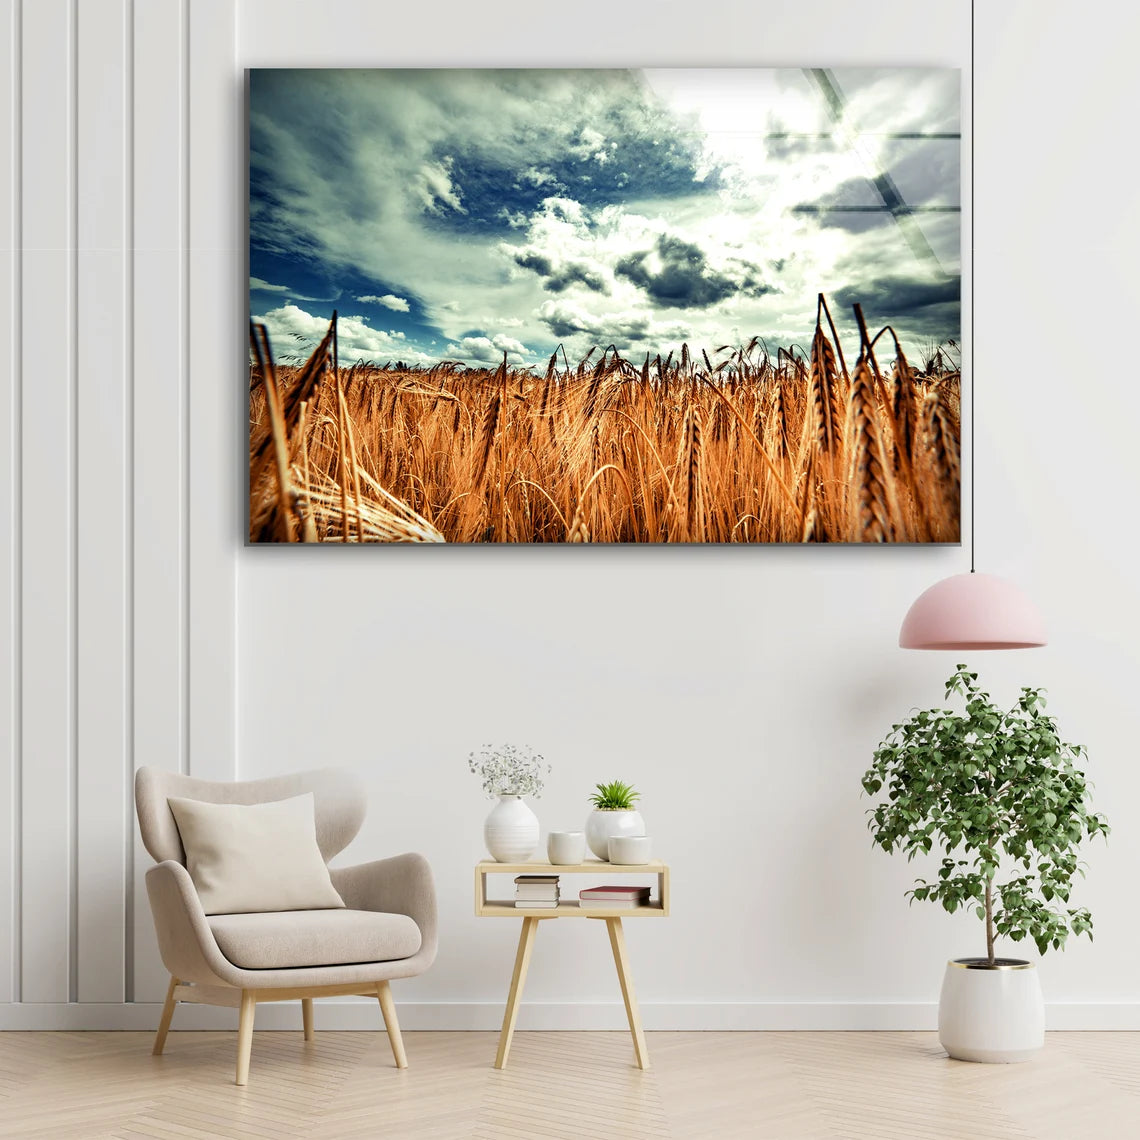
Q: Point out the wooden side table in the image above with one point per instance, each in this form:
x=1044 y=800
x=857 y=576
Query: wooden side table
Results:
x=569 y=908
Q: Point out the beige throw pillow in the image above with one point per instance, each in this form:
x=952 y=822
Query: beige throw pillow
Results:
x=255 y=857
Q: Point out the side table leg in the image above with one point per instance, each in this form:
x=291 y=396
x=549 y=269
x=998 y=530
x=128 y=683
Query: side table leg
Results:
x=621 y=960
x=518 y=980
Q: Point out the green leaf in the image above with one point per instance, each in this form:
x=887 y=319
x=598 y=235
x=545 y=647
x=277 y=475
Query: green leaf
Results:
x=614 y=796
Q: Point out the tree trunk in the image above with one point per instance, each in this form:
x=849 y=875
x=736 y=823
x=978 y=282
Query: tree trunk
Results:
x=990 y=921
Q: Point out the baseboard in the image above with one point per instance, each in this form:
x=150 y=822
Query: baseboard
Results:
x=352 y=1014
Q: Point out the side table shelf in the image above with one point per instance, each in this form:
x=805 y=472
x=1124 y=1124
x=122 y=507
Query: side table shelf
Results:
x=612 y=916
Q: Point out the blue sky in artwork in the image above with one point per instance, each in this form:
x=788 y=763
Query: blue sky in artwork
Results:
x=466 y=214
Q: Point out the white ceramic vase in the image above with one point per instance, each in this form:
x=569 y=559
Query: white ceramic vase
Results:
x=511 y=831
x=600 y=825
x=994 y=1014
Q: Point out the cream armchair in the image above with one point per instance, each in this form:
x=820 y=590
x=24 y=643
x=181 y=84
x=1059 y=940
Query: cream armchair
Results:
x=242 y=959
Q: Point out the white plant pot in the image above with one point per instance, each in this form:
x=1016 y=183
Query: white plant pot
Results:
x=511 y=831
x=993 y=1014
x=600 y=825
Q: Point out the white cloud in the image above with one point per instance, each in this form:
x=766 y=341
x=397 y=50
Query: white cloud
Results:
x=407 y=139
x=265 y=287
x=583 y=327
x=389 y=301
x=488 y=350
x=535 y=177
x=290 y=326
x=509 y=345
x=591 y=144
x=256 y=284
x=434 y=187
x=573 y=257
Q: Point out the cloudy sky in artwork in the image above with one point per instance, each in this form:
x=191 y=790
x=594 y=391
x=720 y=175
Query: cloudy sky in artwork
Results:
x=461 y=215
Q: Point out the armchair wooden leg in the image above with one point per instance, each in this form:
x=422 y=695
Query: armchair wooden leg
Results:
x=245 y=1035
x=307 y=1017
x=388 y=1009
x=164 y=1021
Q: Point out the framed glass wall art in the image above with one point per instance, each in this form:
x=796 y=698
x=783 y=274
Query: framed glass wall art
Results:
x=619 y=306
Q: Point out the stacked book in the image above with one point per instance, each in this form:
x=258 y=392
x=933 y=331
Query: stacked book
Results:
x=613 y=896
x=536 y=892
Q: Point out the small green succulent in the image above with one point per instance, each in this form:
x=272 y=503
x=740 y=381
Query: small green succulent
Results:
x=614 y=796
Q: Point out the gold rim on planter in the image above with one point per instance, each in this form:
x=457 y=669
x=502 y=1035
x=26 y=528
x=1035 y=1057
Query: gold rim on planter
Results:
x=983 y=964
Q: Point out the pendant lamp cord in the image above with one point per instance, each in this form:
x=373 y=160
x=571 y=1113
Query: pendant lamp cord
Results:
x=973 y=282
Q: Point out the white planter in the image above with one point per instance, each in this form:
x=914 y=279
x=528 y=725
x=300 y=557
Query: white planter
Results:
x=630 y=850
x=993 y=1014
x=600 y=825
x=511 y=831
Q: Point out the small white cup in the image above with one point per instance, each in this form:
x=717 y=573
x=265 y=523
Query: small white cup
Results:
x=564 y=848
x=630 y=850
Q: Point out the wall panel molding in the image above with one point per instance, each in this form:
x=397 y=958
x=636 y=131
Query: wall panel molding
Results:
x=160 y=345
x=103 y=616
x=10 y=360
x=217 y=350
x=47 y=378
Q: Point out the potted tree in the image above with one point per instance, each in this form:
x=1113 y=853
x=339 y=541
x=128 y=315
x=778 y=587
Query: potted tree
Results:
x=1005 y=801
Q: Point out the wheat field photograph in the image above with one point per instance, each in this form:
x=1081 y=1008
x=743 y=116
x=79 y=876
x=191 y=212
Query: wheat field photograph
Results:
x=636 y=306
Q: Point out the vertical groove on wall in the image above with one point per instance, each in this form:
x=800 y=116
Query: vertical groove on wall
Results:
x=128 y=491
x=158 y=306
x=73 y=496
x=184 y=356
x=16 y=470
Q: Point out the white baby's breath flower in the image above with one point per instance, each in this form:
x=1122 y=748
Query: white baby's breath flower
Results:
x=509 y=770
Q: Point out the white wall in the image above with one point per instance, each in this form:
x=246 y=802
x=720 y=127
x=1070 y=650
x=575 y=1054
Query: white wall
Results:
x=741 y=689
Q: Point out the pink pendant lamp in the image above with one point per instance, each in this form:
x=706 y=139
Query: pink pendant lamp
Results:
x=972 y=611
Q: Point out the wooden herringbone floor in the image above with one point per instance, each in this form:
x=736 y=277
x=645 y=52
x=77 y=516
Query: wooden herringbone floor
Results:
x=564 y=1086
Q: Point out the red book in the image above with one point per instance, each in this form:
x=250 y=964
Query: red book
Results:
x=617 y=894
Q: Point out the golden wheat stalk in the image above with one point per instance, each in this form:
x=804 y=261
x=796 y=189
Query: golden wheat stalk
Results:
x=824 y=396
x=789 y=498
x=308 y=523
x=689 y=462
x=353 y=460
x=904 y=405
x=867 y=478
x=342 y=463
x=284 y=505
x=489 y=432
x=808 y=513
x=305 y=382
x=944 y=460
x=691 y=447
